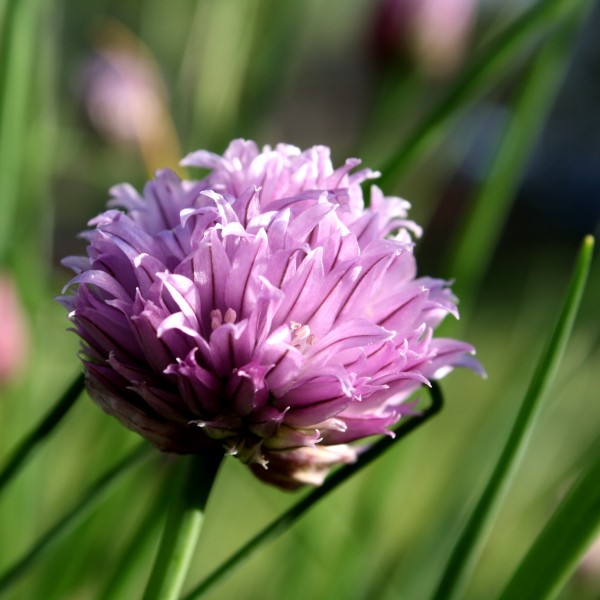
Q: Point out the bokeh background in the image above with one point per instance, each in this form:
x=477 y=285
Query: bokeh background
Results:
x=96 y=93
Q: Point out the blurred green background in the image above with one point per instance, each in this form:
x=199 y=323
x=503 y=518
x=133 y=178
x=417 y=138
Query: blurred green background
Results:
x=92 y=94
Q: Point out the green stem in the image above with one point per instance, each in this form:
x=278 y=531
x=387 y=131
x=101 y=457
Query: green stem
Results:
x=285 y=521
x=483 y=71
x=92 y=498
x=182 y=527
x=470 y=542
x=33 y=440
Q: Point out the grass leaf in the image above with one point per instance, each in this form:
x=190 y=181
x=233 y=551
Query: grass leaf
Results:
x=558 y=548
x=470 y=542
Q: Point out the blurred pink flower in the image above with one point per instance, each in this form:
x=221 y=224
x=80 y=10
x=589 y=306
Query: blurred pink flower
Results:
x=263 y=309
x=431 y=33
x=126 y=99
x=122 y=92
x=590 y=563
x=14 y=339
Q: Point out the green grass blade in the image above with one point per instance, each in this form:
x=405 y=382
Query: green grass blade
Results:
x=16 y=62
x=491 y=205
x=216 y=71
x=558 y=548
x=133 y=557
x=33 y=440
x=471 y=540
x=94 y=495
x=285 y=521
x=487 y=67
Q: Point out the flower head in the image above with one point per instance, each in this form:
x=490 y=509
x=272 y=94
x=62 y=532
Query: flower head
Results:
x=263 y=309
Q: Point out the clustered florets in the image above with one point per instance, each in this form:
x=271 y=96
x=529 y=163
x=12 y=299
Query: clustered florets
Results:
x=263 y=309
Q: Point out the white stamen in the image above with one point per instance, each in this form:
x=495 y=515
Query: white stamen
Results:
x=216 y=318
x=230 y=316
x=302 y=333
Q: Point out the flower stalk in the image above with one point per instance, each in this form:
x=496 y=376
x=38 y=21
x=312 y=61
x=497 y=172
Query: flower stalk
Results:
x=182 y=527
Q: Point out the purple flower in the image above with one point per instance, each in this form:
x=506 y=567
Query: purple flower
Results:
x=262 y=309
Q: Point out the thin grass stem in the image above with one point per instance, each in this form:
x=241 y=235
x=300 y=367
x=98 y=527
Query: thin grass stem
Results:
x=93 y=497
x=42 y=431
